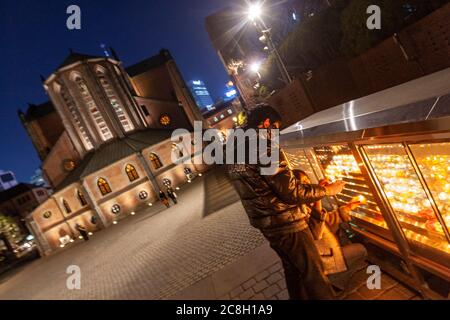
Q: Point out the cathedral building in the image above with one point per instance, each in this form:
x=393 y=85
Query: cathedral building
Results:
x=105 y=142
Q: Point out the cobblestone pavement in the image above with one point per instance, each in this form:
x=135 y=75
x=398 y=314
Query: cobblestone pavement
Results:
x=148 y=256
x=269 y=284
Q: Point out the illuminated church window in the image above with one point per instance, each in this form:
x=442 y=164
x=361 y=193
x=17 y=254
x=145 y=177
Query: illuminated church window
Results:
x=143 y=195
x=164 y=120
x=70 y=104
x=96 y=115
x=131 y=172
x=66 y=206
x=156 y=162
x=81 y=197
x=115 y=209
x=103 y=185
x=109 y=91
x=69 y=165
x=178 y=150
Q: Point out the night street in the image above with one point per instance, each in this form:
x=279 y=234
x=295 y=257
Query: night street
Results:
x=149 y=256
x=209 y=150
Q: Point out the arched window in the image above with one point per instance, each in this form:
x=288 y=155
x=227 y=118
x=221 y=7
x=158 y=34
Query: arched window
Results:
x=81 y=197
x=131 y=172
x=71 y=106
x=178 y=150
x=95 y=113
x=103 y=185
x=156 y=162
x=122 y=115
x=66 y=206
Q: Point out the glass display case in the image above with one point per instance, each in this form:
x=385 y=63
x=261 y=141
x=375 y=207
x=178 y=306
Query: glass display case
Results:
x=433 y=160
x=303 y=159
x=401 y=170
x=298 y=159
x=395 y=172
x=339 y=163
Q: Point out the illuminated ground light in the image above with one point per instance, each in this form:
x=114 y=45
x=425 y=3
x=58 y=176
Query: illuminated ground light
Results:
x=115 y=222
x=189 y=181
x=61 y=245
x=71 y=240
x=200 y=174
x=80 y=237
x=150 y=204
x=90 y=233
x=133 y=213
x=177 y=188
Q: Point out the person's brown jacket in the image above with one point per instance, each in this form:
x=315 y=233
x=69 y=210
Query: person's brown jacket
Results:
x=275 y=204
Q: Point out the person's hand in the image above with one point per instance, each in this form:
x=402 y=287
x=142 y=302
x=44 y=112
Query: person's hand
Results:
x=353 y=205
x=344 y=213
x=324 y=182
x=318 y=206
x=334 y=188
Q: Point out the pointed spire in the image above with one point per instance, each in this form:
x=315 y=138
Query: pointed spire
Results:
x=21 y=115
x=114 y=53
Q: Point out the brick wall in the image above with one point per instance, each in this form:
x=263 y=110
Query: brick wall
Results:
x=418 y=50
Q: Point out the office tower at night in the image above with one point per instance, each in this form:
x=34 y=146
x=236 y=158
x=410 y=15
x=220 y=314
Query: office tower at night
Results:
x=7 y=180
x=201 y=95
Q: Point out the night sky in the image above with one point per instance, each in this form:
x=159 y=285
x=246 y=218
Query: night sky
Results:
x=34 y=40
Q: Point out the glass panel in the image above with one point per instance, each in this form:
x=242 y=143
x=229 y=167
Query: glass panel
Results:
x=340 y=164
x=304 y=160
x=434 y=163
x=298 y=160
x=405 y=194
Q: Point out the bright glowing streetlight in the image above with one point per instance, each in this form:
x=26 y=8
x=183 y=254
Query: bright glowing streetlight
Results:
x=254 y=14
x=254 y=11
x=255 y=66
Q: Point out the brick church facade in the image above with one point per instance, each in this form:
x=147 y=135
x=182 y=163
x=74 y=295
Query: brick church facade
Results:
x=105 y=142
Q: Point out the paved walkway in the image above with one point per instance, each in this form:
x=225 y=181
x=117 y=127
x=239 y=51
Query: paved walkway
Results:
x=149 y=256
x=259 y=276
x=185 y=252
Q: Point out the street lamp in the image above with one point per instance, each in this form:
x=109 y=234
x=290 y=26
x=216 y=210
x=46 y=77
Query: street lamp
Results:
x=255 y=66
x=255 y=11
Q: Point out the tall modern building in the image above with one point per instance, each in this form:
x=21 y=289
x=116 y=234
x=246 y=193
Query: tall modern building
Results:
x=37 y=179
x=7 y=180
x=201 y=95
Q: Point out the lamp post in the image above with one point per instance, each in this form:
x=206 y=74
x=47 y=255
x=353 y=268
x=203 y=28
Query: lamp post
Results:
x=254 y=14
x=255 y=67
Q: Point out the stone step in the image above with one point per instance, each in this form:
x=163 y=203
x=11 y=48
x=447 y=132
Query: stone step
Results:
x=219 y=191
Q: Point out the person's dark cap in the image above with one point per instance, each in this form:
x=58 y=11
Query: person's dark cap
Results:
x=260 y=113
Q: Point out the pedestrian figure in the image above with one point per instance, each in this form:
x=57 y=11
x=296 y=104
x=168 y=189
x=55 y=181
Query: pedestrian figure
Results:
x=277 y=206
x=163 y=198
x=83 y=232
x=172 y=195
